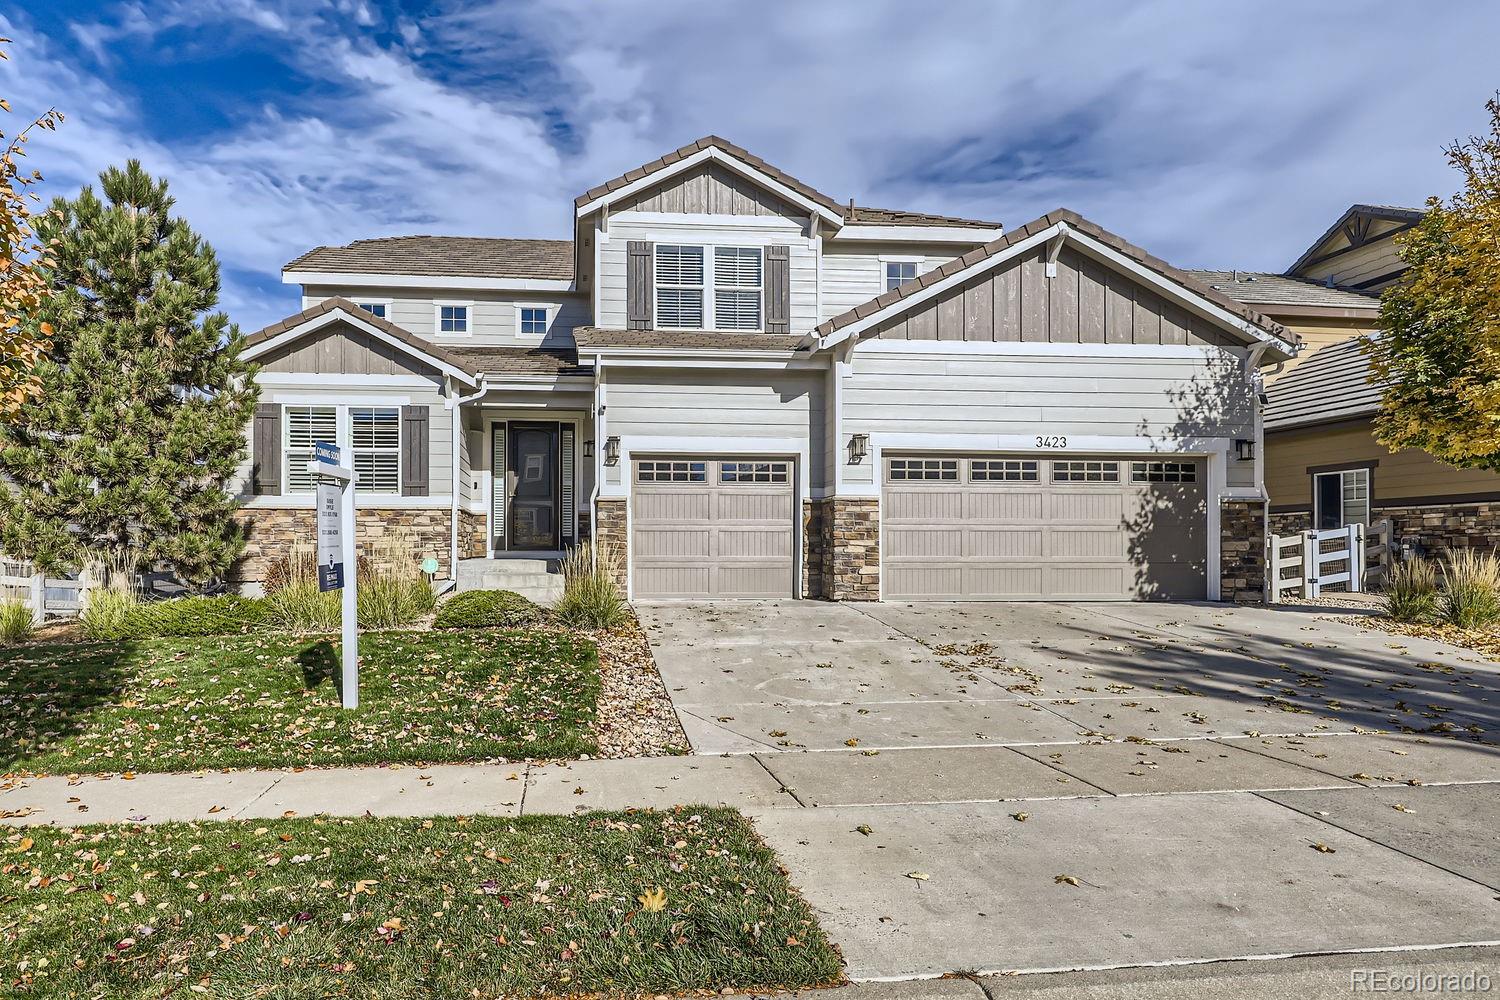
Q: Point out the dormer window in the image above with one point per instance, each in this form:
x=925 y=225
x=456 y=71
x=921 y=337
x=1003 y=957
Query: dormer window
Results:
x=374 y=308
x=453 y=318
x=679 y=286
x=899 y=272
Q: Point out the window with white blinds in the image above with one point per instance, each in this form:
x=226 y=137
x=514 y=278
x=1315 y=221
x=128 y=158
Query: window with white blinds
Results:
x=375 y=433
x=737 y=288
x=303 y=425
x=679 y=286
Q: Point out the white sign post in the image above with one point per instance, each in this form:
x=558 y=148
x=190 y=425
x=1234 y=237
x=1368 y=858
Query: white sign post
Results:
x=338 y=561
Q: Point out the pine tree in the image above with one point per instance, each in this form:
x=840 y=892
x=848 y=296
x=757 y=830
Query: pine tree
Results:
x=126 y=453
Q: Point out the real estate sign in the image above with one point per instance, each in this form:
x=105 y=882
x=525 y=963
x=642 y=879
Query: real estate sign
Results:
x=335 y=552
x=330 y=536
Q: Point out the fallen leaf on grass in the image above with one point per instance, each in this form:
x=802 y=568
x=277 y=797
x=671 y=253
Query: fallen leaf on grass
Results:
x=25 y=845
x=653 y=900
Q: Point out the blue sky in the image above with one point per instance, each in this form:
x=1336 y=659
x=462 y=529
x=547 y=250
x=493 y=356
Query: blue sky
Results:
x=1213 y=134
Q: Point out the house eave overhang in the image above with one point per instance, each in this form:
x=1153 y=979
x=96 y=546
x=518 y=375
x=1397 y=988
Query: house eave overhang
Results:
x=673 y=357
x=714 y=155
x=452 y=282
x=339 y=314
x=1092 y=247
x=855 y=232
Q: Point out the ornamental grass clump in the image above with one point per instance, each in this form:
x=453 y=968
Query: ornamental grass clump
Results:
x=1411 y=591
x=297 y=605
x=393 y=592
x=111 y=609
x=590 y=598
x=1471 y=589
x=16 y=623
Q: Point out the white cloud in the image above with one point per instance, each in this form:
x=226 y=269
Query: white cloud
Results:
x=1212 y=135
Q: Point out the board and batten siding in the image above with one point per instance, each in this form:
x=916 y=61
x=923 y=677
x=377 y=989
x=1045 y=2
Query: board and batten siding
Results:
x=853 y=274
x=1047 y=393
x=1359 y=265
x=659 y=403
x=708 y=189
x=1086 y=303
x=1408 y=475
x=724 y=230
x=492 y=315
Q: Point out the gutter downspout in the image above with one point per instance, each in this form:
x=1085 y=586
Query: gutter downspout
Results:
x=454 y=403
x=598 y=462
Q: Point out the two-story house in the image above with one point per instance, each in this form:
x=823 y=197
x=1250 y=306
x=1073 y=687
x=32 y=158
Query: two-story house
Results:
x=749 y=388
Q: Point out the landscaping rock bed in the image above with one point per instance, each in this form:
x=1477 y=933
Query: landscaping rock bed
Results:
x=635 y=714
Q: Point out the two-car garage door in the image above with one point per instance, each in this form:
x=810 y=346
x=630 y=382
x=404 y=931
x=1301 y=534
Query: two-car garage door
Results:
x=1024 y=528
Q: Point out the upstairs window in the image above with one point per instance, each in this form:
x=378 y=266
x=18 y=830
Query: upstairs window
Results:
x=453 y=319
x=737 y=288
x=533 y=321
x=304 y=425
x=899 y=272
x=679 y=286
x=376 y=436
x=373 y=308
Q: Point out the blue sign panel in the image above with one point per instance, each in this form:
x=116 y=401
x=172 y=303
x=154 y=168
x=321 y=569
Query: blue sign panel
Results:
x=331 y=576
x=326 y=453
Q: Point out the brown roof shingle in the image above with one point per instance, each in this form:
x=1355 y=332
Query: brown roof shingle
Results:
x=1081 y=224
x=864 y=215
x=445 y=256
x=1258 y=288
x=596 y=337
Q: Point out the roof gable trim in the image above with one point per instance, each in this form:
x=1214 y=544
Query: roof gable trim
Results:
x=341 y=314
x=362 y=278
x=716 y=155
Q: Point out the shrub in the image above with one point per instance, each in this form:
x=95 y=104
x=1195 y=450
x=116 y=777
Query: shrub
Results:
x=392 y=590
x=16 y=624
x=1471 y=589
x=225 y=614
x=110 y=613
x=486 y=609
x=1411 y=591
x=299 y=606
x=590 y=598
x=389 y=602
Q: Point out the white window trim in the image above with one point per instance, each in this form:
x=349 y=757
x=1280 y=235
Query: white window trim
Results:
x=551 y=308
x=437 y=317
x=897 y=258
x=344 y=438
x=1340 y=473
x=713 y=286
x=286 y=444
x=363 y=301
x=709 y=286
x=400 y=441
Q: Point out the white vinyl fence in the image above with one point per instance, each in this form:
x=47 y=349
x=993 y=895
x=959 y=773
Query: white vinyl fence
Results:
x=1355 y=555
x=46 y=596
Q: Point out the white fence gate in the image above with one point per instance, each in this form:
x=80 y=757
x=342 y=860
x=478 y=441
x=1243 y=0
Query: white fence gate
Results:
x=1363 y=552
x=45 y=595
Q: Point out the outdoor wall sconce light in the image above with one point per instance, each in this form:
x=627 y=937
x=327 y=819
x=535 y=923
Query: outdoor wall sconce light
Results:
x=611 y=451
x=859 y=447
x=588 y=448
x=1244 y=449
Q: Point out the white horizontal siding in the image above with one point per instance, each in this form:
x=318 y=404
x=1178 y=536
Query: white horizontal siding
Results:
x=855 y=273
x=492 y=315
x=758 y=230
x=648 y=403
x=1048 y=394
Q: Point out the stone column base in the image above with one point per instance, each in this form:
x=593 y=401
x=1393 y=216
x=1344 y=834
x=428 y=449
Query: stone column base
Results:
x=610 y=533
x=851 y=549
x=1242 y=551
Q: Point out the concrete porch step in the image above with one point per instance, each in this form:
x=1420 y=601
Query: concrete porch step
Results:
x=539 y=580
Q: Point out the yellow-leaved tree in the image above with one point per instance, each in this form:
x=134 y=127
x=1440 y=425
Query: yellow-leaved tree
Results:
x=24 y=263
x=1438 y=353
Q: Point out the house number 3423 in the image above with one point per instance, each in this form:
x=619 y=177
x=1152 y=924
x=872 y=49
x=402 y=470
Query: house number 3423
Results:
x=1051 y=441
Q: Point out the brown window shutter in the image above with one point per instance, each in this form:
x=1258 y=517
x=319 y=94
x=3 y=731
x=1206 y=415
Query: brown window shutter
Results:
x=778 y=289
x=639 y=284
x=265 y=450
x=415 y=444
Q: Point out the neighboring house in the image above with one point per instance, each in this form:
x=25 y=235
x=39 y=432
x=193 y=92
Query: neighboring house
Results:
x=1324 y=467
x=747 y=388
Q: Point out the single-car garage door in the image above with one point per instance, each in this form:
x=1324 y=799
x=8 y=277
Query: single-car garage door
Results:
x=1003 y=527
x=712 y=527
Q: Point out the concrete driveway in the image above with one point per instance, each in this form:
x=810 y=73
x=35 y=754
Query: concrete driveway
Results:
x=806 y=675
x=1217 y=783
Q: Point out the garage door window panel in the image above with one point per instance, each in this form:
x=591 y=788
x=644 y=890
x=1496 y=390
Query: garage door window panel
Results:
x=1003 y=471
x=750 y=473
x=671 y=472
x=928 y=470
x=1163 y=472
x=1085 y=472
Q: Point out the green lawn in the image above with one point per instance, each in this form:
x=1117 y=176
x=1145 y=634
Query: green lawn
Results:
x=270 y=701
x=442 y=908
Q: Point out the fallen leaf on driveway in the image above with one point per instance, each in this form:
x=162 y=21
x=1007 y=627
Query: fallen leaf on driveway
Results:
x=1065 y=880
x=864 y=828
x=1401 y=808
x=1020 y=817
x=918 y=876
x=1322 y=848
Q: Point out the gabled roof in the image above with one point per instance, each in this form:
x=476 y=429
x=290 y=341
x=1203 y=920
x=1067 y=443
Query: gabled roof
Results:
x=1390 y=213
x=315 y=318
x=502 y=361
x=864 y=215
x=1332 y=385
x=445 y=256
x=663 y=165
x=1260 y=288
x=1061 y=221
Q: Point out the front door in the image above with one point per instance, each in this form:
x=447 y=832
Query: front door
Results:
x=531 y=514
